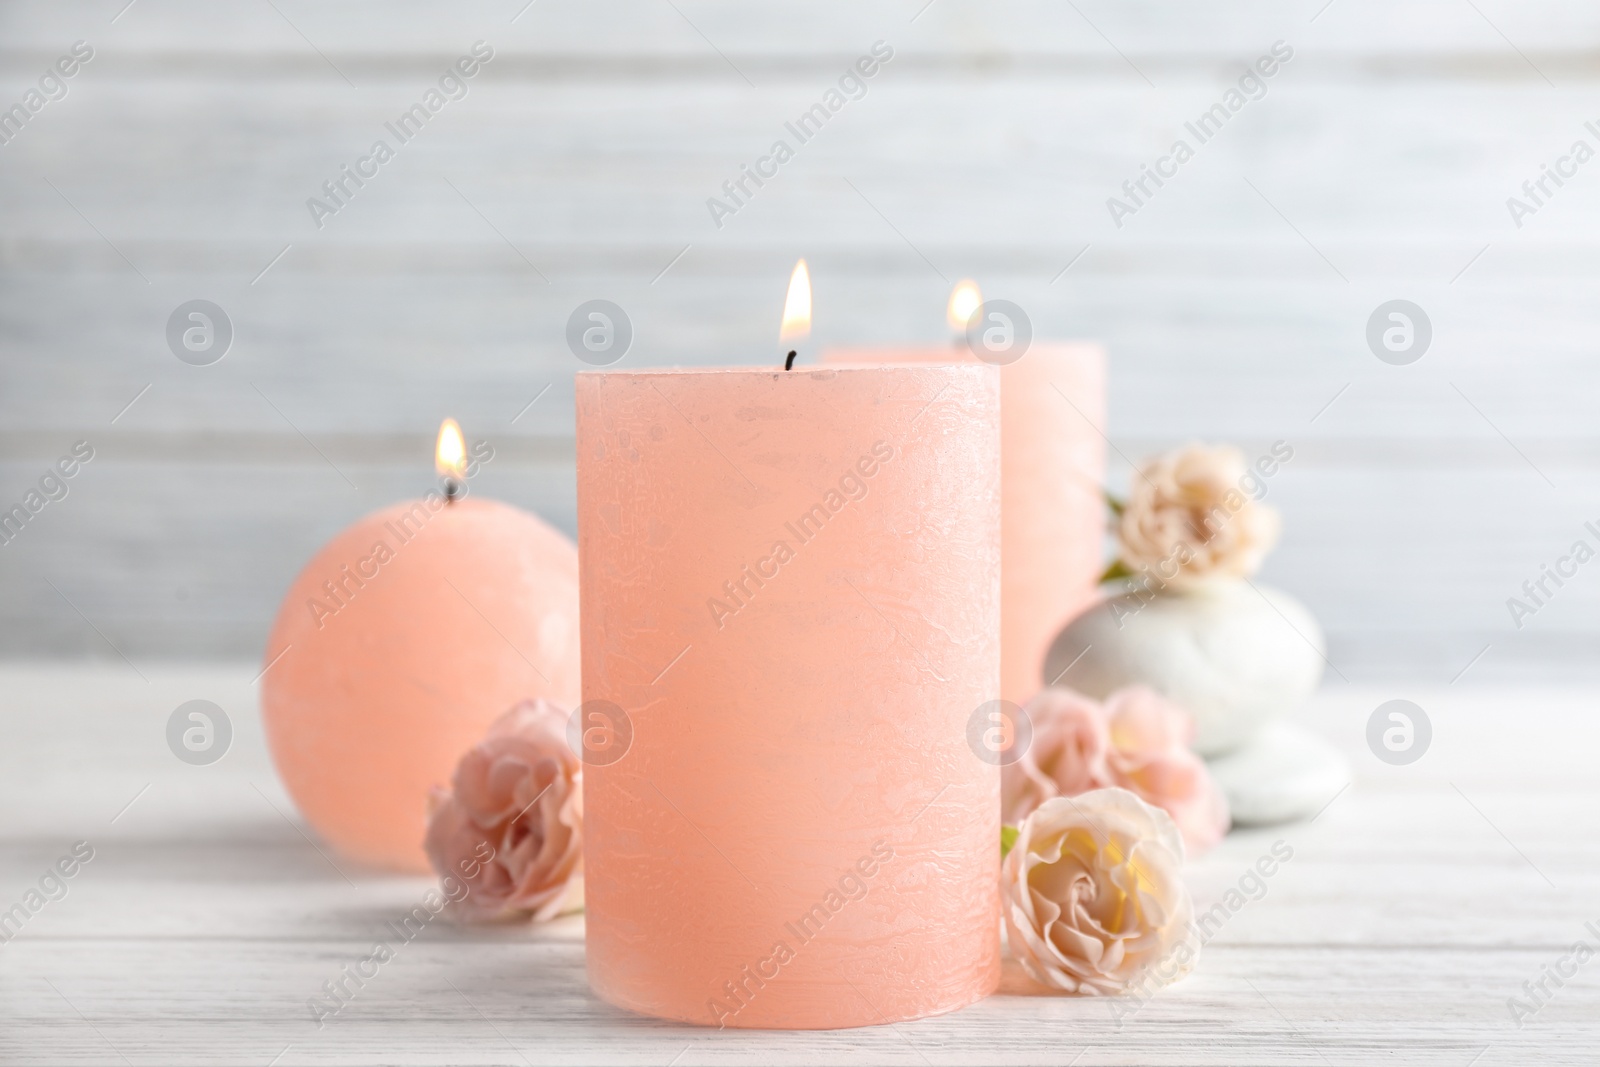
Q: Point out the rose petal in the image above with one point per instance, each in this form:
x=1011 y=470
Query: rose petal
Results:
x=512 y=830
x=1066 y=757
x=1094 y=892
x=1187 y=519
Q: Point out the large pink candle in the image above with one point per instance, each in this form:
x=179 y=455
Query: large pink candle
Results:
x=790 y=606
x=1052 y=511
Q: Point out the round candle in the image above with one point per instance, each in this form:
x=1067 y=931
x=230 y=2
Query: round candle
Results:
x=397 y=646
x=1052 y=511
x=790 y=586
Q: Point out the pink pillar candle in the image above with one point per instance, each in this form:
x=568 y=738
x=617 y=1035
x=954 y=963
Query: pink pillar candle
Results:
x=790 y=588
x=397 y=646
x=1052 y=510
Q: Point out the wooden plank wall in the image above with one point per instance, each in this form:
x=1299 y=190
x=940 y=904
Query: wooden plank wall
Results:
x=1376 y=166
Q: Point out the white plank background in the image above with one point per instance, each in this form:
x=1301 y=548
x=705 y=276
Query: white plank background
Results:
x=1413 y=908
x=1234 y=305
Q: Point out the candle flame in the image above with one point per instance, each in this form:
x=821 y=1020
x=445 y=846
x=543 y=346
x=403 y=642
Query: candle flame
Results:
x=797 y=305
x=450 y=456
x=964 y=300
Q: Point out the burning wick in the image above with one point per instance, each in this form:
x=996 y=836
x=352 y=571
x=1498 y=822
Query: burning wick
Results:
x=796 y=311
x=450 y=458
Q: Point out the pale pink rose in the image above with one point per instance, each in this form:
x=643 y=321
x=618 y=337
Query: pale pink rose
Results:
x=1190 y=518
x=1137 y=740
x=1150 y=756
x=1067 y=755
x=512 y=829
x=1093 y=895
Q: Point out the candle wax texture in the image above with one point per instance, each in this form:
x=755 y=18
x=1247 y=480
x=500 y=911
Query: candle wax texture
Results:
x=406 y=636
x=1052 y=508
x=790 y=589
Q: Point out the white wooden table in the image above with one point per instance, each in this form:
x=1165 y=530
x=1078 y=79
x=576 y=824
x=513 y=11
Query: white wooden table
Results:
x=1413 y=908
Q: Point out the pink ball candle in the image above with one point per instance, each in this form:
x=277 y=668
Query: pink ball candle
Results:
x=1052 y=510
x=395 y=648
x=791 y=595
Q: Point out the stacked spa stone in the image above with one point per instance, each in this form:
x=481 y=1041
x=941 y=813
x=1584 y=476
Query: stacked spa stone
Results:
x=1242 y=658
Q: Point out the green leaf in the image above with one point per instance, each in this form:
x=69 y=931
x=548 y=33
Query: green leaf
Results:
x=1113 y=503
x=1008 y=837
x=1118 y=570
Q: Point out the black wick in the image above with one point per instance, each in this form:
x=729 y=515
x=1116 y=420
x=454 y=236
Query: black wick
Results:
x=450 y=490
x=788 y=364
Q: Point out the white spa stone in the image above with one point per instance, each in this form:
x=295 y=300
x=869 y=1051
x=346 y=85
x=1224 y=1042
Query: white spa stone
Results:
x=1286 y=773
x=1236 y=655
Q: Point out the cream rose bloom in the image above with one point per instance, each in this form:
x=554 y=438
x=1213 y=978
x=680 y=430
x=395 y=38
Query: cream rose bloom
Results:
x=512 y=829
x=1093 y=895
x=1187 y=520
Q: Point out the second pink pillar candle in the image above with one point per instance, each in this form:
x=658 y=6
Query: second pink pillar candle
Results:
x=1052 y=510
